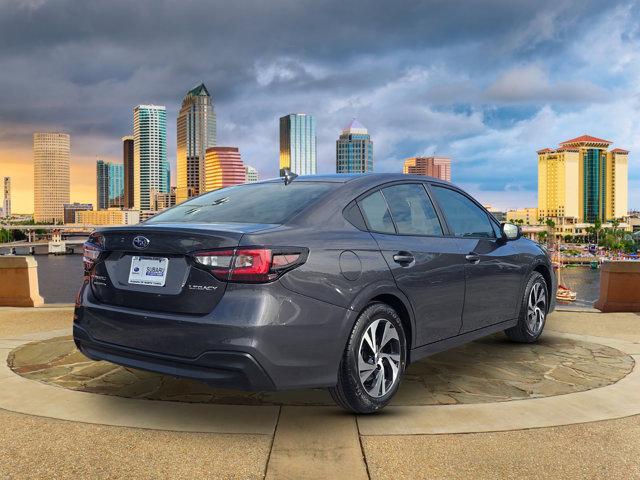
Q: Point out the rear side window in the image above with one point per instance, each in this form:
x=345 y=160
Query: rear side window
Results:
x=412 y=210
x=376 y=213
x=464 y=217
x=272 y=202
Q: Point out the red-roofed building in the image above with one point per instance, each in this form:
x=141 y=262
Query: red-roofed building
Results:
x=583 y=181
x=585 y=139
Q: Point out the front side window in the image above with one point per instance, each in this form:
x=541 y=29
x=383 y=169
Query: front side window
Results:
x=412 y=210
x=376 y=213
x=464 y=217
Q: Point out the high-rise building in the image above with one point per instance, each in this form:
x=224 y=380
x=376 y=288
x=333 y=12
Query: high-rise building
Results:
x=6 y=204
x=151 y=168
x=298 y=143
x=70 y=210
x=252 y=174
x=224 y=168
x=102 y=185
x=51 y=158
x=109 y=185
x=127 y=162
x=582 y=180
x=196 y=131
x=438 y=167
x=354 y=149
x=116 y=185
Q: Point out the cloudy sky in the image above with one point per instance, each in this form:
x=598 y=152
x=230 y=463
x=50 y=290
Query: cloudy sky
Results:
x=487 y=83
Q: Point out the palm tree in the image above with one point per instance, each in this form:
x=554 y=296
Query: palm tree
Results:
x=551 y=225
x=542 y=236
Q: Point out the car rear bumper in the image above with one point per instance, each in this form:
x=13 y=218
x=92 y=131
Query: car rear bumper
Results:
x=219 y=368
x=258 y=337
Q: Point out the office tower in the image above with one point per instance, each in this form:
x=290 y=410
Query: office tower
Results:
x=109 y=185
x=70 y=210
x=151 y=168
x=582 y=180
x=196 y=131
x=6 y=205
x=116 y=185
x=102 y=185
x=252 y=174
x=127 y=162
x=51 y=158
x=223 y=168
x=354 y=149
x=298 y=143
x=438 y=167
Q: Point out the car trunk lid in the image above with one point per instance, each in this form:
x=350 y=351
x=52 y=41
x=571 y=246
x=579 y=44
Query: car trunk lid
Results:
x=187 y=287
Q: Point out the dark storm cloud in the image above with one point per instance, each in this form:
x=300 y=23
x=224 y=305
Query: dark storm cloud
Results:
x=417 y=73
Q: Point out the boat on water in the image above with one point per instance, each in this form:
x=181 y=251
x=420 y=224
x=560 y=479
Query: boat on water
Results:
x=563 y=293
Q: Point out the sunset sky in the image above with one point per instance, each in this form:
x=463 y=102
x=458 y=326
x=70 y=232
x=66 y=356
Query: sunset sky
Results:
x=487 y=83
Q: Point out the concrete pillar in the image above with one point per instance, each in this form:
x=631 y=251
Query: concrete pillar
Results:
x=19 y=282
x=619 y=287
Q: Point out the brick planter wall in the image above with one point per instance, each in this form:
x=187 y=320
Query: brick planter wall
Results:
x=619 y=287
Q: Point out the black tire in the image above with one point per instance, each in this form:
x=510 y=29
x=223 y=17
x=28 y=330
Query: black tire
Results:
x=529 y=328
x=351 y=393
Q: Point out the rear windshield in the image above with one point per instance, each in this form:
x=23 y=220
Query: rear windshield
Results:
x=250 y=203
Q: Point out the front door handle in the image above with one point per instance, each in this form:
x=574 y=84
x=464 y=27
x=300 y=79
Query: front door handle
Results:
x=403 y=258
x=472 y=257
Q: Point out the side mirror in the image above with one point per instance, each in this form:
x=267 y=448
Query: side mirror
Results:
x=511 y=231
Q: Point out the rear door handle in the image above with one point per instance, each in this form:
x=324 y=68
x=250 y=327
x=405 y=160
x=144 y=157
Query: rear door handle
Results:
x=472 y=257
x=403 y=258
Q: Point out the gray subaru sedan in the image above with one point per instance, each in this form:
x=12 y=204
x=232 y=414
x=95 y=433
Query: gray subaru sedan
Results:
x=336 y=281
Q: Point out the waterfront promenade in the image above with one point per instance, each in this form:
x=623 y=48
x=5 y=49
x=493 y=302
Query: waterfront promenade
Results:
x=568 y=407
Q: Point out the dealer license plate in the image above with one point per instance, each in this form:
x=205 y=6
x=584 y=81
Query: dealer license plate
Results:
x=148 y=271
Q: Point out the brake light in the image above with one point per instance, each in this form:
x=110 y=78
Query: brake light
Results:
x=251 y=265
x=90 y=254
x=91 y=250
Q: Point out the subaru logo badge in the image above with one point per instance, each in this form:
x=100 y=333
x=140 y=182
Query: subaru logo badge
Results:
x=141 y=242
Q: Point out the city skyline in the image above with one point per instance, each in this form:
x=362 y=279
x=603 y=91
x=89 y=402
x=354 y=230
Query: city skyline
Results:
x=486 y=97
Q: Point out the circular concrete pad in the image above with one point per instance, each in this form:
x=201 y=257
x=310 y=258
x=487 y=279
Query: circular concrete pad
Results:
x=485 y=371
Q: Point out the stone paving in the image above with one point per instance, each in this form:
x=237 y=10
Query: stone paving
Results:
x=489 y=370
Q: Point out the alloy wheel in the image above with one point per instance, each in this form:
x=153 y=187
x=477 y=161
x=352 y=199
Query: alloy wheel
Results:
x=379 y=358
x=537 y=308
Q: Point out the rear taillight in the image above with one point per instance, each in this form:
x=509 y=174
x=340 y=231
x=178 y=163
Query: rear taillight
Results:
x=251 y=265
x=90 y=254
x=91 y=250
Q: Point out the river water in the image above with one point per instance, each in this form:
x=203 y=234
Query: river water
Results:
x=584 y=281
x=59 y=278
